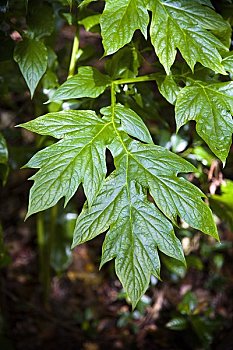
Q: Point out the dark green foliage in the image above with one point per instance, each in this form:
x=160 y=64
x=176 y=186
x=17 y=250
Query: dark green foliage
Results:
x=147 y=192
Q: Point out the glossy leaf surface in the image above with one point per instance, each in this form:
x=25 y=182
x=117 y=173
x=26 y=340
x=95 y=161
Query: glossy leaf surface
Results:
x=31 y=56
x=120 y=20
x=89 y=82
x=137 y=227
x=211 y=106
x=187 y=25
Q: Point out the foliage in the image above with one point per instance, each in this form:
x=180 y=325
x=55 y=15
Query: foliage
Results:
x=138 y=198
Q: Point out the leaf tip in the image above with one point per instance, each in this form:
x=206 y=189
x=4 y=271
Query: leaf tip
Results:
x=73 y=245
x=27 y=215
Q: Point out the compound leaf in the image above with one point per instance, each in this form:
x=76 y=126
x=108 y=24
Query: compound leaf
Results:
x=119 y=21
x=211 y=106
x=89 y=82
x=186 y=25
x=31 y=56
x=138 y=228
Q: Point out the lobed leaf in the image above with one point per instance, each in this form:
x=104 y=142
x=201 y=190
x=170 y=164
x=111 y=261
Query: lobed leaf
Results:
x=119 y=21
x=156 y=169
x=137 y=231
x=211 y=106
x=186 y=25
x=138 y=228
x=78 y=158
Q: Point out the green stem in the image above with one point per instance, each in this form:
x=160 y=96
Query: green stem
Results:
x=113 y=95
x=141 y=79
x=73 y=58
x=45 y=242
x=41 y=241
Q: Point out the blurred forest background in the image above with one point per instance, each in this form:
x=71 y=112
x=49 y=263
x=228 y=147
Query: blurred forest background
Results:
x=55 y=298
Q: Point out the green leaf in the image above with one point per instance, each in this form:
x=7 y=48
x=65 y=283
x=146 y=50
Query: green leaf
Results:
x=131 y=123
x=211 y=106
x=138 y=227
x=157 y=169
x=31 y=56
x=186 y=25
x=137 y=230
x=69 y=162
x=228 y=62
x=188 y=304
x=89 y=82
x=205 y=2
x=3 y=150
x=90 y=21
x=124 y=64
x=86 y=2
x=40 y=19
x=177 y=324
x=168 y=87
x=119 y=21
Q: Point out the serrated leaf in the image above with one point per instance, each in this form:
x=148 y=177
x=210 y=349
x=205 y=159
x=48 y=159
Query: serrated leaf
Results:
x=78 y=158
x=211 y=106
x=137 y=230
x=168 y=87
x=174 y=196
x=31 y=56
x=89 y=82
x=186 y=25
x=90 y=21
x=131 y=123
x=138 y=227
x=119 y=21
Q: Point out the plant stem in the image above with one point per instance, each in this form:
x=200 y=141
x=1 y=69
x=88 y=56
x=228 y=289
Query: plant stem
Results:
x=141 y=79
x=45 y=241
x=73 y=58
x=113 y=95
x=41 y=241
